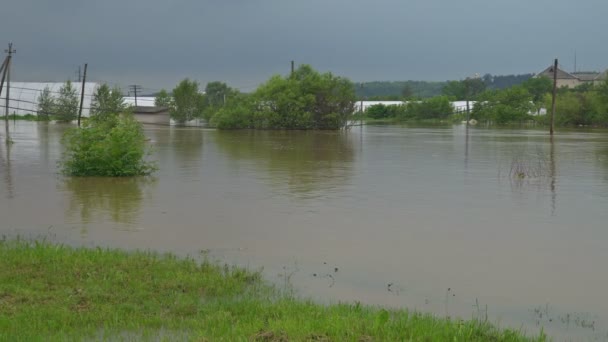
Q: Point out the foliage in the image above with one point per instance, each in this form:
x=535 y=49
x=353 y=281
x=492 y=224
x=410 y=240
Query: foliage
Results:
x=438 y=107
x=59 y=293
x=394 y=91
x=187 y=102
x=46 y=105
x=217 y=94
x=304 y=100
x=398 y=90
x=504 y=81
x=163 y=99
x=505 y=106
x=538 y=87
x=381 y=111
x=468 y=88
x=107 y=102
x=573 y=108
x=110 y=147
x=66 y=105
x=237 y=114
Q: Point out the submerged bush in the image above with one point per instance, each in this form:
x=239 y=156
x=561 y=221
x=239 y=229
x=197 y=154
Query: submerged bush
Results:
x=110 y=147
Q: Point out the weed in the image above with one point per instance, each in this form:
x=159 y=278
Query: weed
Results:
x=56 y=293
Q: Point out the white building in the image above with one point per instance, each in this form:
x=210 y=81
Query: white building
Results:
x=23 y=96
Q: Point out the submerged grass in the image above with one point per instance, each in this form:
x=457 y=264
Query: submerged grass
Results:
x=53 y=292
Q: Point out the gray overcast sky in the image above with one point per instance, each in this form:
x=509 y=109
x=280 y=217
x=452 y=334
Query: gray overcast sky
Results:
x=243 y=42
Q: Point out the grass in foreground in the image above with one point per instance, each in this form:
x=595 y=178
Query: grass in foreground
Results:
x=50 y=292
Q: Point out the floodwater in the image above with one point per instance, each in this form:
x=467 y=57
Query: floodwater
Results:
x=429 y=218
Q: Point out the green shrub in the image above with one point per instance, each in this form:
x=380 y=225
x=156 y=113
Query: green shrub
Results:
x=112 y=147
x=66 y=105
x=306 y=99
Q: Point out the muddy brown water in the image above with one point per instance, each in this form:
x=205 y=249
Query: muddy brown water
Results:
x=427 y=218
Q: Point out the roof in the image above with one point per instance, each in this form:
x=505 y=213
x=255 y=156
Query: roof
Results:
x=602 y=76
x=561 y=74
x=586 y=75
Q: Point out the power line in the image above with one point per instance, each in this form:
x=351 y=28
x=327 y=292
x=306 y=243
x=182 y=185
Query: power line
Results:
x=52 y=91
x=32 y=102
x=135 y=88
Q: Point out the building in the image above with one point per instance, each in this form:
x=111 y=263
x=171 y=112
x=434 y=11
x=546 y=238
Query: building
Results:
x=23 y=97
x=151 y=115
x=574 y=79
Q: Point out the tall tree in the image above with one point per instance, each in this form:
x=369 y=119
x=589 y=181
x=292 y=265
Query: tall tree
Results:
x=163 y=99
x=107 y=102
x=187 y=101
x=46 y=105
x=67 y=103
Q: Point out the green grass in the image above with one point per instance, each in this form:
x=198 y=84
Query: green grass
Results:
x=25 y=117
x=57 y=293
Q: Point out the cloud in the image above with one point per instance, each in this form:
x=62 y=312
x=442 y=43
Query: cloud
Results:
x=244 y=42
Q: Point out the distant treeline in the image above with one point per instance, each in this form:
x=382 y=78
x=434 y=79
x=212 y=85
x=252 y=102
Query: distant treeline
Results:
x=399 y=90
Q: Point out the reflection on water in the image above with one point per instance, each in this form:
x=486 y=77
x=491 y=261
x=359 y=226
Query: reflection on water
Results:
x=382 y=215
x=552 y=174
x=305 y=162
x=100 y=199
x=5 y=167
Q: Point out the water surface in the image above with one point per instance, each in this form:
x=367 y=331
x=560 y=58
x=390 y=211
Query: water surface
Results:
x=421 y=217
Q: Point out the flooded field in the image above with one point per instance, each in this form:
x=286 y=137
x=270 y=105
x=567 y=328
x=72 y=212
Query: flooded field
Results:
x=496 y=223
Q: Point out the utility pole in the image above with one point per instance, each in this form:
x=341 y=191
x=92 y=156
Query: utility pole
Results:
x=466 y=95
x=361 y=114
x=78 y=74
x=3 y=72
x=292 y=67
x=553 y=98
x=84 y=80
x=134 y=88
x=7 y=73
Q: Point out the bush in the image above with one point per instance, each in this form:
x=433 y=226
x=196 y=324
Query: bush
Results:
x=113 y=147
x=237 y=114
x=438 y=107
x=304 y=100
x=66 y=106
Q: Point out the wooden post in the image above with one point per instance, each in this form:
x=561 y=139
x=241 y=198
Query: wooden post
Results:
x=466 y=95
x=7 y=73
x=552 y=118
x=3 y=68
x=361 y=114
x=3 y=72
x=84 y=80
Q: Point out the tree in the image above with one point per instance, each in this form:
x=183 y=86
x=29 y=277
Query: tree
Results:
x=109 y=146
x=473 y=86
x=407 y=92
x=107 y=101
x=46 y=105
x=163 y=99
x=538 y=87
x=438 y=107
x=467 y=89
x=455 y=90
x=217 y=94
x=66 y=108
x=503 y=106
x=187 y=102
x=305 y=99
